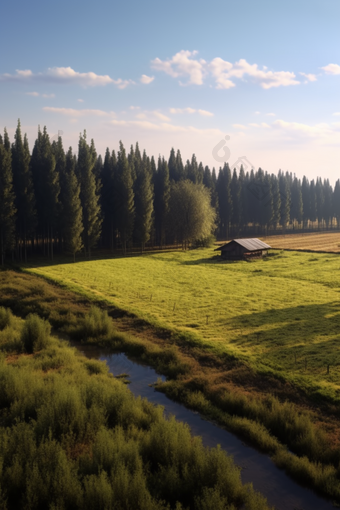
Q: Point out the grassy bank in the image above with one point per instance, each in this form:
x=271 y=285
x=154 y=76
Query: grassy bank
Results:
x=221 y=387
x=73 y=437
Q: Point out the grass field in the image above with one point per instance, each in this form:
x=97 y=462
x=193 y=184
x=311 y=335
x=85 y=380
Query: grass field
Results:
x=281 y=314
x=329 y=242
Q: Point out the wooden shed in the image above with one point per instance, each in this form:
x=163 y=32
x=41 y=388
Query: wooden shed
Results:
x=243 y=249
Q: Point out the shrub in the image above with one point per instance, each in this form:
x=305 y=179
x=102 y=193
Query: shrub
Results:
x=35 y=333
x=6 y=317
x=94 y=325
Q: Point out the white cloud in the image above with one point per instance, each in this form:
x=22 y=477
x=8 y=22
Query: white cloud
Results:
x=80 y=100
x=270 y=114
x=134 y=107
x=223 y=71
x=185 y=64
x=205 y=113
x=146 y=79
x=66 y=75
x=182 y=64
x=297 y=129
x=310 y=77
x=336 y=114
x=36 y=94
x=331 y=69
x=161 y=116
x=71 y=112
x=257 y=113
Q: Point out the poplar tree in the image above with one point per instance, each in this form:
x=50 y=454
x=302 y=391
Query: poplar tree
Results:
x=7 y=205
x=72 y=209
x=125 y=208
x=336 y=202
x=143 y=202
x=46 y=186
x=161 y=200
x=306 y=208
x=88 y=194
x=24 y=191
x=107 y=197
x=224 y=200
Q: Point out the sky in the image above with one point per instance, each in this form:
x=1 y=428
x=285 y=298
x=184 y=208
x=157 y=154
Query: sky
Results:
x=251 y=82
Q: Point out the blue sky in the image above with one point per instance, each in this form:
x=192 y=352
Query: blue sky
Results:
x=180 y=74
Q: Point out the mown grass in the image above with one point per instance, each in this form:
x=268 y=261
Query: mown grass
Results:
x=281 y=315
x=326 y=242
x=73 y=437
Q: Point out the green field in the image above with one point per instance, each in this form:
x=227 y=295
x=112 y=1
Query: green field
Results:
x=281 y=314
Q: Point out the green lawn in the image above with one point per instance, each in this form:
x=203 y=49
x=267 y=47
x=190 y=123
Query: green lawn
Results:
x=281 y=313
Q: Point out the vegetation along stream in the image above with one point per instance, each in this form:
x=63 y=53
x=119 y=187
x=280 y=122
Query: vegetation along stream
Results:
x=280 y=490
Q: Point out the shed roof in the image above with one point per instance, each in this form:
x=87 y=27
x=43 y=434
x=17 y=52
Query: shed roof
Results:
x=249 y=244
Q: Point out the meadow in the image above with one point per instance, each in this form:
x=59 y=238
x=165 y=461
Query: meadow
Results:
x=281 y=314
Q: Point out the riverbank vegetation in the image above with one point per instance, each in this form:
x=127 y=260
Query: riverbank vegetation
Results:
x=302 y=435
x=73 y=437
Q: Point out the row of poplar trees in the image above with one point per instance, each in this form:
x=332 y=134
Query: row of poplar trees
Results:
x=55 y=200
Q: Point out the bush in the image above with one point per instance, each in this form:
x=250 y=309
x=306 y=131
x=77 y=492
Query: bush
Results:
x=35 y=333
x=6 y=317
x=94 y=325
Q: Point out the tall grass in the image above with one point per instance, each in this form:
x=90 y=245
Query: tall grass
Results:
x=73 y=437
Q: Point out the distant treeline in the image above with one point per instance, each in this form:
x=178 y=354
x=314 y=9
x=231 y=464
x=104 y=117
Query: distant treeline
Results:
x=55 y=200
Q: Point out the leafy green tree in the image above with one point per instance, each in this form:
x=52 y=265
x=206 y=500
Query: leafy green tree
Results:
x=143 y=202
x=88 y=194
x=7 y=198
x=125 y=208
x=191 y=216
x=24 y=191
x=72 y=209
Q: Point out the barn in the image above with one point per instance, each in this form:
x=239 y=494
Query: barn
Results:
x=243 y=249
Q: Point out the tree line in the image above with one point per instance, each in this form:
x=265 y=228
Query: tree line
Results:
x=52 y=200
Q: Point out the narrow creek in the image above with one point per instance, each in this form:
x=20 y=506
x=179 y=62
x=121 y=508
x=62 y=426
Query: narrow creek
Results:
x=280 y=490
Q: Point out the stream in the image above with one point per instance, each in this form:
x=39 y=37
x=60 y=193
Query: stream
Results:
x=280 y=490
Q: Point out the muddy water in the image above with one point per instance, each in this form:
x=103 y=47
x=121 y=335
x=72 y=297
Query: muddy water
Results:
x=274 y=484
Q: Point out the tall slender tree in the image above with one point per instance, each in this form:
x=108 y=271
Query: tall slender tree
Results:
x=125 y=208
x=7 y=205
x=24 y=192
x=88 y=194
x=143 y=202
x=72 y=214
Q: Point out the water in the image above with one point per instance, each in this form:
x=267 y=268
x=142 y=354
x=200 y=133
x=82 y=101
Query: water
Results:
x=280 y=491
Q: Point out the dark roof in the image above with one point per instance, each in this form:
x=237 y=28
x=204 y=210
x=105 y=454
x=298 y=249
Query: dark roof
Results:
x=248 y=244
